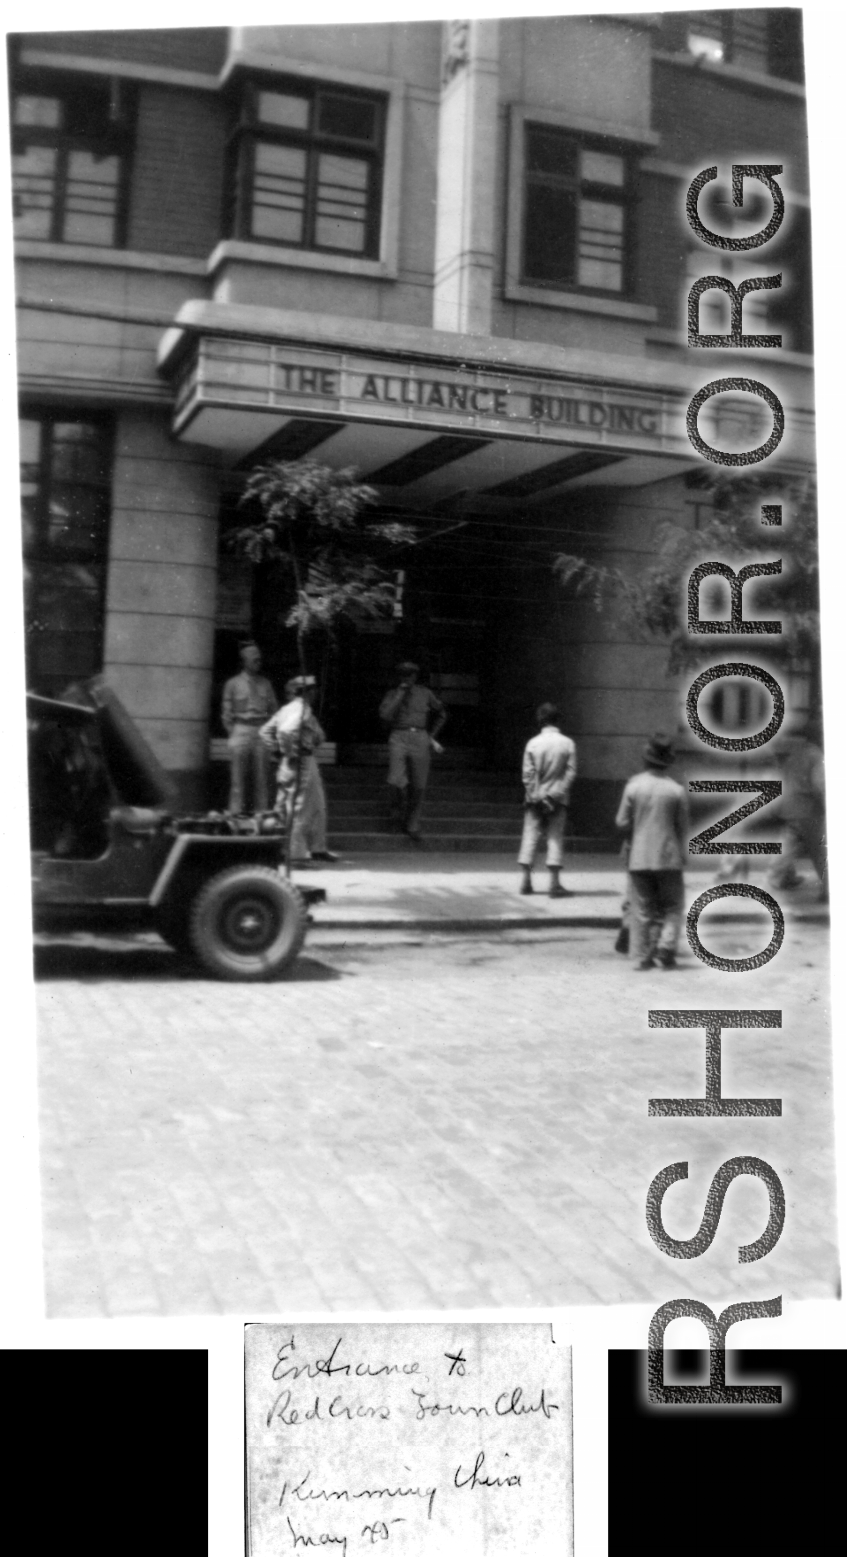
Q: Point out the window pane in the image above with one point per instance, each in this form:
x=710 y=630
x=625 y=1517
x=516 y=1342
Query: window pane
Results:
x=281 y=108
x=91 y=198
x=601 y=273
x=601 y=167
x=601 y=245
x=33 y=184
x=550 y=234
x=30 y=442
x=279 y=185
x=63 y=623
x=65 y=546
x=341 y=203
x=549 y=151
x=601 y=217
x=77 y=519
x=43 y=113
x=79 y=453
x=750 y=40
x=29 y=434
x=63 y=596
x=353 y=117
x=705 y=45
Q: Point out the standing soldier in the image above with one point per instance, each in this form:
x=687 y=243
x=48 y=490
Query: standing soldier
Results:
x=406 y=710
x=248 y=702
x=653 y=814
x=548 y=771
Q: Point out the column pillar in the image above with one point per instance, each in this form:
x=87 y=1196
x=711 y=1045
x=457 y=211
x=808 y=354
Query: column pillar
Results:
x=467 y=150
x=160 y=594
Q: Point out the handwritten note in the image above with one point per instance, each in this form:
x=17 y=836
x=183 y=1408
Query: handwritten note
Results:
x=419 y=1440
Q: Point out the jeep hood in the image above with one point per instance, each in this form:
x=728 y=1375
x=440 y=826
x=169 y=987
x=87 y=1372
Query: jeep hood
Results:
x=135 y=771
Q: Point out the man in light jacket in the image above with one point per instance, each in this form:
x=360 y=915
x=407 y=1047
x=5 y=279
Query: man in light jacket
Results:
x=653 y=814
x=549 y=769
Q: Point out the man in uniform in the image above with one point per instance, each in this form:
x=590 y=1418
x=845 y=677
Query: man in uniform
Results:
x=248 y=702
x=406 y=710
x=295 y=730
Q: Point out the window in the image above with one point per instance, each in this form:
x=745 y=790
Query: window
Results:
x=69 y=158
x=65 y=492
x=306 y=167
x=737 y=37
x=575 y=212
x=768 y=42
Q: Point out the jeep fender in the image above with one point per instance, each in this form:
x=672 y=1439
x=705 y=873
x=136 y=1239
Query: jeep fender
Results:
x=195 y=858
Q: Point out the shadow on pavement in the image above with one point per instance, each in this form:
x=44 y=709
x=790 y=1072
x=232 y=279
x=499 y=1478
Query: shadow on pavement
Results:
x=70 y=959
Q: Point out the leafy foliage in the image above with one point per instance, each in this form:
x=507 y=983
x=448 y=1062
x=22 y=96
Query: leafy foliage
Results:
x=311 y=521
x=655 y=603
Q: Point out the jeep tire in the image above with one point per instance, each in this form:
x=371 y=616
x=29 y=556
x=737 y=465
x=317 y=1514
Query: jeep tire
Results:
x=247 y=923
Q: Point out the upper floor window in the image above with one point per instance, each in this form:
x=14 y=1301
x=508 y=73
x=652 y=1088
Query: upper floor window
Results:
x=575 y=228
x=306 y=167
x=69 y=158
x=66 y=503
x=768 y=42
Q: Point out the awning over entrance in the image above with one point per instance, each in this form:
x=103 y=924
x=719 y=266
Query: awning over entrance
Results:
x=422 y=414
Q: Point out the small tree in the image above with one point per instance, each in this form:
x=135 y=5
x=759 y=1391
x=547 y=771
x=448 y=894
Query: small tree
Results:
x=654 y=600
x=311 y=521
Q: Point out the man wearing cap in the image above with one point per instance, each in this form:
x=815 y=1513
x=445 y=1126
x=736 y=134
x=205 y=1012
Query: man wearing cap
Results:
x=248 y=701
x=295 y=734
x=406 y=710
x=653 y=814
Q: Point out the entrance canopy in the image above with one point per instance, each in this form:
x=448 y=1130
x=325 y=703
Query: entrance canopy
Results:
x=424 y=415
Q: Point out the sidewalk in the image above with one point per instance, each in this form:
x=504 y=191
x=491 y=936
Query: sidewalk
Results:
x=440 y=891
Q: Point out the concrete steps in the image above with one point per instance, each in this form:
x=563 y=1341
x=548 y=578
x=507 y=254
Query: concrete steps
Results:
x=467 y=810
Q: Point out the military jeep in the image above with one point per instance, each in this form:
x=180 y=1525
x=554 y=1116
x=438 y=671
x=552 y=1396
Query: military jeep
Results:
x=110 y=849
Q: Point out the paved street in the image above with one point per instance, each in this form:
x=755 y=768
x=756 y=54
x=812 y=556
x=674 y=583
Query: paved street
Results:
x=429 y=1121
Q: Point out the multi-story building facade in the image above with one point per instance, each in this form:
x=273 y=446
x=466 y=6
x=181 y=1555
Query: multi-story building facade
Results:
x=451 y=255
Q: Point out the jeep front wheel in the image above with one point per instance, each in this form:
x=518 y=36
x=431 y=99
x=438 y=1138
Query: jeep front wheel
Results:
x=247 y=923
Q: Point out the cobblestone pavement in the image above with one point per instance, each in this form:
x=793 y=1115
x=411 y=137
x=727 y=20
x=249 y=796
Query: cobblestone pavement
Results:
x=430 y=1123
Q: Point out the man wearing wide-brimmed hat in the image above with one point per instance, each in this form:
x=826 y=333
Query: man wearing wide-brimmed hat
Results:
x=406 y=709
x=654 y=814
x=294 y=734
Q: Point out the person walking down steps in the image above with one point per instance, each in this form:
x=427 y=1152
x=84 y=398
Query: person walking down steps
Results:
x=406 y=710
x=548 y=772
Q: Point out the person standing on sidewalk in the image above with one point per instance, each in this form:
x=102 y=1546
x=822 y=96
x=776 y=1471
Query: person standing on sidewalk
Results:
x=653 y=813
x=548 y=771
x=294 y=734
x=803 y=809
x=406 y=709
x=248 y=701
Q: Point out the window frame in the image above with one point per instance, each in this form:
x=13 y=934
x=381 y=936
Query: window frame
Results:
x=247 y=130
x=783 y=53
x=117 y=139
x=726 y=24
x=584 y=188
x=40 y=552
x=637 y=141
